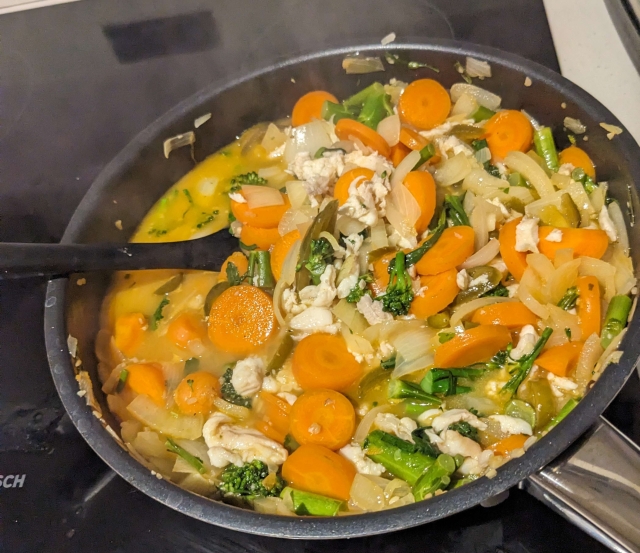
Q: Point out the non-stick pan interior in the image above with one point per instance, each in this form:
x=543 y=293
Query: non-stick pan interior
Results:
x=131 y=183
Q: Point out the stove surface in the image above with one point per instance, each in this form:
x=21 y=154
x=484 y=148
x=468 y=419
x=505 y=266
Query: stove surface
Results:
x=79 y=81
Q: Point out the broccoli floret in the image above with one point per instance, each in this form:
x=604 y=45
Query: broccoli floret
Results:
x=320 y=255
x=399 y=294
x=249 y=480
x=246 y=178
x=229 y=393
x=359 y=289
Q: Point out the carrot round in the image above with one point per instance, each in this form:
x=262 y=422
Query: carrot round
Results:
x=196 y=392
x=515 y=261
x=583 y=241
x=508 y=444
x=411 y=139
x=281 y=249
x=147 y=379
x=423 y=189
x=241 y=320
x=239 y=260
x=472 y=346
x=323 y=361
x=323 y=417
x=260 y=217
x=262 y=238
x=398 y=153
x=424 y=104
x=274 y=413
x=507 y=131
x=128 y=332
x=454 y=246
x=578 y=158
x=381 y=273
x=346 y=128
x=588 y=305
x=317 y=469
x=513 y=315
x=184 y=329
x=436 y=293
x=309 y=107
x=560 y=360
x=341 y=189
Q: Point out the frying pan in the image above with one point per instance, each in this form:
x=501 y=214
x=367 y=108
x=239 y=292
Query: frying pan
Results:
x=595 y=484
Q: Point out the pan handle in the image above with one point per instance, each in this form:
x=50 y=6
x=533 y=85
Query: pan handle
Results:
x=596 y=486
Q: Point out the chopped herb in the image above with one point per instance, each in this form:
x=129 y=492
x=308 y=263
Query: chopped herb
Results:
x=191 y=365
x=388 y=364
x=209 y=218
x=474 y=411
x=157 y=315
x=127 y=276
x=190 y=383
x=463 y=72
x=499 y=291
x=233 y=275
x=248 y=248
x=393 y=59
x=230 y=394
x=169 y=286
x=122 y=380
x=226 y=153
x=384 y=175
x=188 y=195
x=158 y=232
x=567 y=331
x=246 y=178
x=465 y=429
x=569 y=299
x=194 y=461
x=572 y=139
x=418 y=65
x=445 y=381
x=231 y=217
x=445 y=336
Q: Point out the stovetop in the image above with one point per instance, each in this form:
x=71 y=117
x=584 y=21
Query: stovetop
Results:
x=78 y=82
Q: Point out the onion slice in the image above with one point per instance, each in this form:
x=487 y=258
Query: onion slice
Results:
x=261 y=196
x=389 y=129
x=405 y=167
x=367 y=422
x=483 y=256
x=483 y=97
x=406 y=204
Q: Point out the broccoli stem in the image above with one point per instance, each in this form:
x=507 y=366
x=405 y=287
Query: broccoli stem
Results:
x=376 y=107
x=397 y=456
x=455 y=211
x=416 y=255
x=337 y=111
x=194 y=461
x=358 y=100
x=546 y=147
x=445 y=381
x=425 y=155
x=568 y=407
x=569 y=299
x=525 y=363
x=616 y=319
x=312 y=504
x=401 y=389
x=436 y=477
x=259 y=272
x=482 y=114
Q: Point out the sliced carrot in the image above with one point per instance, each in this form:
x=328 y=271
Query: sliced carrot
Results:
x=424 y=104
x=381 y=273
x=260 y=217
x=346 y=128
x=578 y=158
x=508 y=444
x=281 y=249
x=560 y=360
x=239 y=260
x=507 y=131
x=472 y=346
x=323 y=417
x=323 y=361
x=309 y=107
x=341 y=189
x=184 y=329
x=454 y=246
x=196 y=392
x=411 y=139
x=270 y=431
x=436 y=293
x=147 y=379
x=398 y=153
x=588 y=306
x=515 y=261
x=423 y=189
x=241 y=320
x=262 y=238
x=584 y=242
x=128 y=332
x=274 y=411
x=513 y=315
x=317 y=469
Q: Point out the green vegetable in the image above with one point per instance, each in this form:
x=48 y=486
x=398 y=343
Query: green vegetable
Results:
x=425 y=155
x=469 y=133
x=521 y=368
x=213 y=294
x=312 y=504
x=247 y=247
x=191 y=365
x=228 y=392
x=399 y=457
x=436 y=477
x=569 y=299
x=321 y=151
x=455 y=211
x=122 y=380
x=337 y=111
x=465 y=429
x=246 y=178
x=248 y=480
x=169 y=286
x=446 y=336
x=483 y=286
x=355 y=295
x=462 y=481
x=545 y=147
x=388 y=364
x=568 y=407
x=500 y=291
x=445 y=381
x=393 y=59
x=281 y=354
x=402 y=389
x=463 y=72
x=482 y=114
x=157 y=314
x=521 y=410
x=234 y=278
x=194 y=461
x=259 y=270
x=516 y=179
x=479 y=145
x=320 y=256
x=414 y=408
x=376 y=107
x=439 y=320
x=416 y=255
x=423 y=443
x=587 y=182
x=377 y=379
x=290 y=443
x=616 y=319
x=399 y=295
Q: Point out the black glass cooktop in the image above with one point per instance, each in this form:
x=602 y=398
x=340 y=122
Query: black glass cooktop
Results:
x=78 y=81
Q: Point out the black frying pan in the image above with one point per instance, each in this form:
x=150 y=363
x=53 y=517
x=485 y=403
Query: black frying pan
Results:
x=128 y=187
